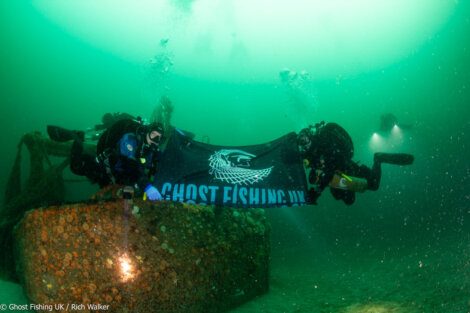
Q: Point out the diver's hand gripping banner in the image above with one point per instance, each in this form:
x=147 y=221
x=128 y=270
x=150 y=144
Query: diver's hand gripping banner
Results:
x=266 y=175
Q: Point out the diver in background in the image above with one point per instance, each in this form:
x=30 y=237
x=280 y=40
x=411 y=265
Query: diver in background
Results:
x=389 y=120
x=127 y=154
x=162 y=114
x=300 y=90
x=108 y=120
x=327 y=150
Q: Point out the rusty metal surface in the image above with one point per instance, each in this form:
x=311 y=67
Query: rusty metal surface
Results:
x=143 y=257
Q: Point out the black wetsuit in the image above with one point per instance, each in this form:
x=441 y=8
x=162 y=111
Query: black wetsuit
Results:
x=121 y=157
x=323 y=168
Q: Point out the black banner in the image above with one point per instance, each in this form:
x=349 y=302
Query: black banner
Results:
x=265 y=175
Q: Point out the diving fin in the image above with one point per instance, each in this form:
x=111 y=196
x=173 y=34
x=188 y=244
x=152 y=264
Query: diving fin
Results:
x=60 y=134
x=394 y=158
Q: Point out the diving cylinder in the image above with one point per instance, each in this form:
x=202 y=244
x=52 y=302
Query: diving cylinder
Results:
x=344 y=182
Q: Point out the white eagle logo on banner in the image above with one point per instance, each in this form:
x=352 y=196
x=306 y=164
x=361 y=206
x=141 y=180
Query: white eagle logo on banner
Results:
x=233 y=166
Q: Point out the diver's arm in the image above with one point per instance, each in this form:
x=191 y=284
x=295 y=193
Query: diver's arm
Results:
x=319 y=181
x=128 y=146
x=146 y=174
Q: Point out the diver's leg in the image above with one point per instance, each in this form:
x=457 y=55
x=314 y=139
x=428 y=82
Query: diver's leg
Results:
x=85 y=165
x=78 y=160
x=60 y=134
x=394 y=158
x=372 y=175
x=373 y=179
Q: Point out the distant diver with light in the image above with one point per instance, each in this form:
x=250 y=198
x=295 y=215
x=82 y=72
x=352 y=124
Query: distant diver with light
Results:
x=388 y=121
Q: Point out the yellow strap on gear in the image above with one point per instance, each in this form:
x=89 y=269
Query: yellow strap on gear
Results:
x=346 y=177
x=144 y=197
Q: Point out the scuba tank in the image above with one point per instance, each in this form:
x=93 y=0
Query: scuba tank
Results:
x=350 y=183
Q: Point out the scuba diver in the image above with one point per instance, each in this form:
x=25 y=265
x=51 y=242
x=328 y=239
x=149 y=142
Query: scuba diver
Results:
x=327 y=150
x=389 y=120
x=108 y=120
x=127 y=153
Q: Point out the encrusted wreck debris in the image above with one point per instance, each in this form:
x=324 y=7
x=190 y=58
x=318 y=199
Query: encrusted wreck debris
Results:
x=43 y=186
x=124 y=255
x=143 y=257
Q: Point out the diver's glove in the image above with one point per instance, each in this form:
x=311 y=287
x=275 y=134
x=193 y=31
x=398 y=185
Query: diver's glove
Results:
x=312 y=196
x=152 y=193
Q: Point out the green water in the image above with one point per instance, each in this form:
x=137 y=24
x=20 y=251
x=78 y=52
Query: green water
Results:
x=404 y=247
